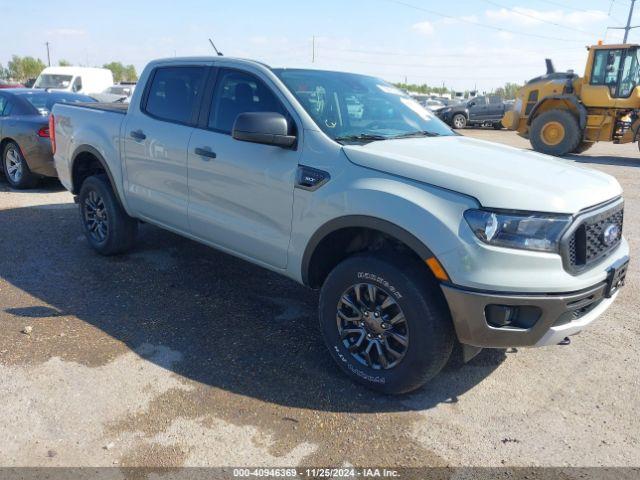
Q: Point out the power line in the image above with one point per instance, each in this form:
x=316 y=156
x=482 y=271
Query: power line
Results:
x=528 y=15
x=628 y=28
x=425 y=54
x=482 y=25
x=557 y=4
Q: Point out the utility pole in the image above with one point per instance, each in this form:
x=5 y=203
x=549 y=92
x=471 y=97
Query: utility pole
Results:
x=313 y=49
x=48 y=54
x=628 y=28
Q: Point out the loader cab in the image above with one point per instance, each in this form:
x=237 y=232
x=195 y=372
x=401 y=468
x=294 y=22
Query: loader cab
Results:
x=611 y=76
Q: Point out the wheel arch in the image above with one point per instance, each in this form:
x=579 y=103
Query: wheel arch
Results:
x=552 y=101
x=87 y=153
x=346 y=230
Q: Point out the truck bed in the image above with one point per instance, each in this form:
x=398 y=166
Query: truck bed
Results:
x=105 y=106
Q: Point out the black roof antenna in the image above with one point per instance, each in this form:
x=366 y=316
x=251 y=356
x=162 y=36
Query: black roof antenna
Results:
x=214 y=47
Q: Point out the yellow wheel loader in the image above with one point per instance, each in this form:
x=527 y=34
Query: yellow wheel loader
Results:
x=563 y=113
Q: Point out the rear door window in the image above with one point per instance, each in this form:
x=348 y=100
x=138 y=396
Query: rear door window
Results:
x=174 y=94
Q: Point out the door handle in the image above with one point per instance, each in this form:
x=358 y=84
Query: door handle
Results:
x=205 y=152
x=137 y=135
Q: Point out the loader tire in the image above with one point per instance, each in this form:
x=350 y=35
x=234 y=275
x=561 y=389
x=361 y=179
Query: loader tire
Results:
x=583 y=147
x=555 y=132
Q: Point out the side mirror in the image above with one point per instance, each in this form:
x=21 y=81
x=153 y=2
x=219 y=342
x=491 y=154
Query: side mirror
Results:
x=471 y=104
x=267 y=128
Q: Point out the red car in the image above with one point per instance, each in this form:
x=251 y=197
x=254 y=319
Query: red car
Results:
x=5 y=84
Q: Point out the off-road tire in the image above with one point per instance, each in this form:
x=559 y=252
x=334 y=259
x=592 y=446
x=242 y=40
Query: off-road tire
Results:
x=459 y=121
x=568 y=143
x=121 y=230
x=583 y=147
x=25 y=179
x=430 y=330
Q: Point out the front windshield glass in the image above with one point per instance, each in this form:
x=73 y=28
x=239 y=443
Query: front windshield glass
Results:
x=53 y=81
x=358 y=108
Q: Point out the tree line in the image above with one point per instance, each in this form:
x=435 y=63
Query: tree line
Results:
x=506 y=92
x=22 y=69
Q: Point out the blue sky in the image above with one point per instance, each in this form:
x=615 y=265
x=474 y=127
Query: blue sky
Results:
x=424 y=41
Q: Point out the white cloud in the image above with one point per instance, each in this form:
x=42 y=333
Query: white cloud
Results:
x=532 y=17
x=67 y=32
x=456 y=20
x=424 y=28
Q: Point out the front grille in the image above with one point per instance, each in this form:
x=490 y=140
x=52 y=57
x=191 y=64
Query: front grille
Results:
x=586 y=243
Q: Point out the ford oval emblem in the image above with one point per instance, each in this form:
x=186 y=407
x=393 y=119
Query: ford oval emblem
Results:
x=611 y=234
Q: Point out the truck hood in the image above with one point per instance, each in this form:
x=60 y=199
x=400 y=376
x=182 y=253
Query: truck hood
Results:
x=496 y=175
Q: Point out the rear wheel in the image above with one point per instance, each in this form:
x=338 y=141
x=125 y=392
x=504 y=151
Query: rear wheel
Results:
x=15 y=167
x=459 y=121
x=555 y=132
x=385 y=322
x=106 y=225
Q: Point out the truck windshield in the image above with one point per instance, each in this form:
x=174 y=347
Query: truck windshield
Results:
x=354 y=108
x=53 y=81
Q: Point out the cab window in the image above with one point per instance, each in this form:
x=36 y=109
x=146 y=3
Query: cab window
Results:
x=174 y=93
x=606 y=67
x=239 y=92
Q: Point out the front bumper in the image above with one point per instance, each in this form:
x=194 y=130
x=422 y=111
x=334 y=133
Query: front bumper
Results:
x=541 y=319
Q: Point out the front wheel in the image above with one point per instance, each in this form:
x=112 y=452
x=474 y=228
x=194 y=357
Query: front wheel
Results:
x=385 y=322
x=459 y=121
x=108 y=228
x=555 y=132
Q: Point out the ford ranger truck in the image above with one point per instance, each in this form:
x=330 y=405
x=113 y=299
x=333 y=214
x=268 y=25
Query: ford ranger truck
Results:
x=419 y=239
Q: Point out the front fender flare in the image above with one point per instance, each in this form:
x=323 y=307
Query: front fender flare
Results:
x=361 y=221
x=580 y=108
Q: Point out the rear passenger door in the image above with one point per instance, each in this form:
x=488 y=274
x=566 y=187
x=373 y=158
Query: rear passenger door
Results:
x=240 y=193
x=156 y=138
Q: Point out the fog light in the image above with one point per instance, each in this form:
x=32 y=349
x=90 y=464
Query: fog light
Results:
x=500 y=315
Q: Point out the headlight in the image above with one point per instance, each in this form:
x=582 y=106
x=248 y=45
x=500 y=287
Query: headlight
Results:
x=528 y=231
x=445 y=110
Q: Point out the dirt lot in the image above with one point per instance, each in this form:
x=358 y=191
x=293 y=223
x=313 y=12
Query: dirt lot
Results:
x=179 y=355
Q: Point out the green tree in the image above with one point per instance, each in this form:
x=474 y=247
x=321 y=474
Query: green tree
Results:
x=509 y=91
x=122 y=73
x=24 y=68
x=4 y=73
x=64 y=63
x=131 y=74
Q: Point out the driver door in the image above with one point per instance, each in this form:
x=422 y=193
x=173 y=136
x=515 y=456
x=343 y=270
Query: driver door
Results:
x=601 y=88
x=241 y=193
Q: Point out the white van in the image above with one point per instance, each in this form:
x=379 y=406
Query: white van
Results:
x=75 y=79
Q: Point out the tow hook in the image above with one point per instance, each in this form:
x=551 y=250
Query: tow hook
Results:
x=566 y=341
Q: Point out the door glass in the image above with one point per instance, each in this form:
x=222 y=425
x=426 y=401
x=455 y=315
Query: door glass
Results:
x=630 y=74
x=3 y=103
x=239 y=92
x=606 y=67
x=174 y=92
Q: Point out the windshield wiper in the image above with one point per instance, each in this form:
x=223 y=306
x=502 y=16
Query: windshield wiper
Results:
x=361 y=137
x=419 y=133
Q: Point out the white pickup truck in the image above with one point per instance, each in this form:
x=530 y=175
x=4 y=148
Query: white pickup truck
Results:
x=418 y=238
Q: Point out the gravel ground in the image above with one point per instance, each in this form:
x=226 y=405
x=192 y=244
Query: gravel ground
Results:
x=177 y=355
